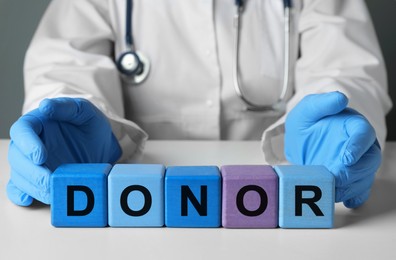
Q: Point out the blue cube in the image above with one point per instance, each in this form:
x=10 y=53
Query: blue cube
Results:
x=79 y=195
x=193 y=196
x=136 y=196
x=306 y=196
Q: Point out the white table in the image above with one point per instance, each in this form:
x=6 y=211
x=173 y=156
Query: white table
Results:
x=365 y=233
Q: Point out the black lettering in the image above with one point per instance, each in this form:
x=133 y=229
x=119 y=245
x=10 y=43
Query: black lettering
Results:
x=263 y=201
x=147 y=200
x=71 y=211
x=187 y=194
x=309 y=201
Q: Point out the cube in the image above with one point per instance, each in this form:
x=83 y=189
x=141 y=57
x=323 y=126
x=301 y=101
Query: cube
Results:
x=136 y=195
x=192 y=196
x=250 y=196
x=79 y=195
x=306 y=196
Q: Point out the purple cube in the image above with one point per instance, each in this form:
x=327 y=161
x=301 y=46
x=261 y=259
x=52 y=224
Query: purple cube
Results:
x=250 y=196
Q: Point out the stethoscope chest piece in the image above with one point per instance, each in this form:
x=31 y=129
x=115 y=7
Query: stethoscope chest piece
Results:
x=134 y=65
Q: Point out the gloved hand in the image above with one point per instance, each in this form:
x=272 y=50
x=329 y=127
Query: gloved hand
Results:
x=321 y=130
x=61 y=130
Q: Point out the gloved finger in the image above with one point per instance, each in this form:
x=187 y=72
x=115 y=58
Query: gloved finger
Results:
x=358 y=200
x=37 y=175
x=17 y=196
x=361 y=137
x=367 y=165
x=314 y=107
x=355 y=189
x=33 y=190
x=24 y=134
x=72 y=110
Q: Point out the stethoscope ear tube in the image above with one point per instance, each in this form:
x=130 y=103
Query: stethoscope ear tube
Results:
x=280 y=105
x=286 y=51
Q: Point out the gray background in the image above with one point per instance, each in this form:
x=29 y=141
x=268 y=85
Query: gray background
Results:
x=19 y=18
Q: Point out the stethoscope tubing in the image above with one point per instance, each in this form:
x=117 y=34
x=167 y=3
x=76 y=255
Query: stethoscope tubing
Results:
x=128 y=26
x=279 y=106
x=250 y=105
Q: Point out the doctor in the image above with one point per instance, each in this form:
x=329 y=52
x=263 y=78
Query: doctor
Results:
x=80 y=106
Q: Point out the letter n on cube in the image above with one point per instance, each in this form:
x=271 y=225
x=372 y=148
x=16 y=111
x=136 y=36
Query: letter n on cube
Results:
x=192 y=196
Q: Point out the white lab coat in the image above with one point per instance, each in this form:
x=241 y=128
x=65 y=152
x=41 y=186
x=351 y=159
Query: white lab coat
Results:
x=189 y=93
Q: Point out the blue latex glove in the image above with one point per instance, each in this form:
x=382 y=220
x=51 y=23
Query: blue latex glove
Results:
x=321 y=130
x=61 y=130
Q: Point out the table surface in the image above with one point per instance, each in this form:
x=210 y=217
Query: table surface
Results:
x=366 y=233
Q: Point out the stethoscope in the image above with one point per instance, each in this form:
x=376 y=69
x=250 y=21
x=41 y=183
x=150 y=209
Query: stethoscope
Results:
x=132 y=63
x=279 y=106
x=136 y=66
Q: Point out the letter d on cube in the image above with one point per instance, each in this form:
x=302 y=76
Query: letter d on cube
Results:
x=79 y=195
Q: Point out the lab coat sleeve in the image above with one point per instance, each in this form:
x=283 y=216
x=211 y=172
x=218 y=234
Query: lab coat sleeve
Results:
x=71 y=55
x=338 y=51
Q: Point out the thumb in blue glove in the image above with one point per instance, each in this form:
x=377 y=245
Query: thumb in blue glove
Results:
x=61 y=130
x=321 y=130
